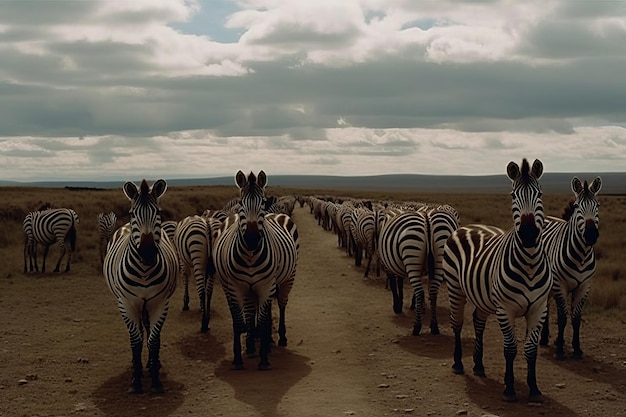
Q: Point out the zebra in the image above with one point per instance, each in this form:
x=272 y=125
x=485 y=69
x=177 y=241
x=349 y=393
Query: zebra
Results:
x=403 y=252
x=140 y=268
x=191 y=239
x=54 y=226
x=569 y=244
x=503 y=273
x=255 y=257
x=106 y=227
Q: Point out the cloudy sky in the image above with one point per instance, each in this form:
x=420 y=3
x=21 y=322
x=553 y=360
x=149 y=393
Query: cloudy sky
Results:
x=112 y=89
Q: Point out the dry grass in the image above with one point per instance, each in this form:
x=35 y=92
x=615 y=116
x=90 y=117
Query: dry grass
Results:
x=608 y=289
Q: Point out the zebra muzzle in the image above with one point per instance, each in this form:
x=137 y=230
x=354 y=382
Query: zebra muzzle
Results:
x=147 y=249
x=591 y=234
x=528 y=231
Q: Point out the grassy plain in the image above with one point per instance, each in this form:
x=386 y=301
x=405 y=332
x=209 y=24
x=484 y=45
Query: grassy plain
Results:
x=608 y=289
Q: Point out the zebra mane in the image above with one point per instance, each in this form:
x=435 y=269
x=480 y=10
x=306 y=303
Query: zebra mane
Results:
x=525 y=168
x=251 y=178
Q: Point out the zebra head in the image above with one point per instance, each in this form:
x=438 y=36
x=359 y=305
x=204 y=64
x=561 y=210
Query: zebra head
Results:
x=585 y=209
x=527 y=207
x=253 y=206
x=145 y=218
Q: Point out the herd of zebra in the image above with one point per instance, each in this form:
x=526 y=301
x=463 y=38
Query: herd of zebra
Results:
x=510 y=273
x=251 y=245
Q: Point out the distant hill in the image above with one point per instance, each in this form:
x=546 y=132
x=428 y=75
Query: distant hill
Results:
x=612 y=183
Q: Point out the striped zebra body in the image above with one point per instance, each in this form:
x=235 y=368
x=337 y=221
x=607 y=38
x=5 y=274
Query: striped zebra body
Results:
x=403 y=251
x=569 y=244
x=254 y=255
x=503 y=273
x=55 y=226
x=106 y=228
x=192 y=243
x=30 y=247
x=140 y=267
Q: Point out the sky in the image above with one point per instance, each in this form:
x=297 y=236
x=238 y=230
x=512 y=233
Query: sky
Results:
x=113 y=89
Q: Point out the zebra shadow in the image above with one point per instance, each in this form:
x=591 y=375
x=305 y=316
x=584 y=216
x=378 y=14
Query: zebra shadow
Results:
x=264 y=390
x=201 y=347
x=111 y=397
x=487 y=393
x=589 y=367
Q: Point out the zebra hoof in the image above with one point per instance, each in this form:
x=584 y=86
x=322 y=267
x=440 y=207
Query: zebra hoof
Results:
x=417 y=330
x=434 y=330
x=559 y=356
x=458 y=369
x=135 y=388
x=479 y=372
x=509 y=398
x=578 y=355
x=265 y=366
x=185 y=308
x=157 y=389
x=535 y=398
x=237 y=366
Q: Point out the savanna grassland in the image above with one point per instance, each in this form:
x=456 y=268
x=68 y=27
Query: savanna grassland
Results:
x=64 y=348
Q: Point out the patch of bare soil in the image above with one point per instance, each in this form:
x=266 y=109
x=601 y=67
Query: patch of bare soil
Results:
x=64 y=351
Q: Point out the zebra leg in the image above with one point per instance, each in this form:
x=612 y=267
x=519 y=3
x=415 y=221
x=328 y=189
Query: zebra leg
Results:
x=545 y=330
x=185 y=278
x=457 y=312
x=397 y=291
x=265 y=333
x=578 y=302
x=561 y=306
x=530 y=349
x=135 y=331
x=510 y=352
x=63 y=250
x=480 y=320
x=239 y=327
x=208 y=295
x=45 y=254
x=418 y=300
x=433 y=293
x=155 y=318
x=251 y=328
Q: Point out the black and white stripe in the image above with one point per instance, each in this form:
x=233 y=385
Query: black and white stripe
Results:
x=106 y=228
x=55 y=226
x=403 y=251
x=255 y=256
x=569 y=244
x=191 y=239
x=141 y=267
x=503 y=273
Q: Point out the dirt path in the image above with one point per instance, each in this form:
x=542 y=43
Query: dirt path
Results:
x=348 y=354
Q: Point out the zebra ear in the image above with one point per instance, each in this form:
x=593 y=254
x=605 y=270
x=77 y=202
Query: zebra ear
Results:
x=240 y=179
x=537 y=169
x=512 y=170
x=262 y=179
x=596 y=185
x=577 y=186
x=130 y=190
x=159 y=188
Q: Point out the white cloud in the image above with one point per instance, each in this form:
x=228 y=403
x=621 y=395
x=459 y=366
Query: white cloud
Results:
x=350 y=87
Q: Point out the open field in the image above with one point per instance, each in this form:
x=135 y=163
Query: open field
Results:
x=348 y=353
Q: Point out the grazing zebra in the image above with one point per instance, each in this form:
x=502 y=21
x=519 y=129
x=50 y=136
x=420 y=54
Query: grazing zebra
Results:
x=55 y=226
x=191 y=240
x=140 y=267
x=503 y=273
x=255 y=256
x=106 y=227
x=569 y=244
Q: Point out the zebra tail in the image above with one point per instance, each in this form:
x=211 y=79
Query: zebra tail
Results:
x=71 y=237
